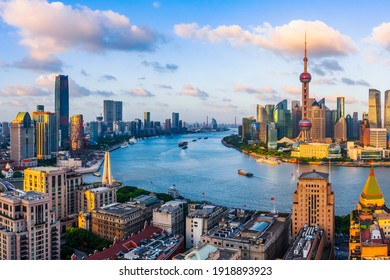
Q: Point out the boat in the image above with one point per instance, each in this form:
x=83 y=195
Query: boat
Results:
x=194 y=140
x=184 y=147
x=132 y=141
x=124 y=144
x=96 y=174
x=206 y=138
x=200 y=138
x=244 y=173
x=182 y=144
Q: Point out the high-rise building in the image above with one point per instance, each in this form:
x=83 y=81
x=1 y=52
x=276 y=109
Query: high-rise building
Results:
x=365 y=133
x=340 y=130
x=22 y=138
x=62 y=109
x=282 y=118
x=112 y=112
x=175 y=123
x=340 y=108
x=5 y=132
x=313 y=204
x=272 y=137
x=28 y=227
x=93 y=131
x=317 y=118
x=247 y=128
x=46 y=141
x=374 y=108
x=168 y=126
x=349 y=123
x=76 y=135
x=269 y=109
x=387 y=111
x=378 y=138
x=261 y=114
x=355 y=126
x=296 y=117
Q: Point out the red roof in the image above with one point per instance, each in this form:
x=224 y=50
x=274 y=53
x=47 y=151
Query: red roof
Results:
x=125 y=245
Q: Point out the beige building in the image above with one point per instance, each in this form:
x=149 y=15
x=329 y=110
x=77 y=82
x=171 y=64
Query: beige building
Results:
x=171 y=216
x=378 y=138
x=311 y=150
x=340 y=130
x=265 y=236
x=28 y=229
x=117 y=220
x=209 y=252
x=22 y=138
x=313 y=204
x=94 y=196
x=374 y=108
x=317 y=118
x=200 y=221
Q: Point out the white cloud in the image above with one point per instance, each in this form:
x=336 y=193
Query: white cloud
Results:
x=192 y=91
x=381 y=35
x=139 y=92
x=322 y=39
x=251 y=90
x=52 y=28
x=292 y=90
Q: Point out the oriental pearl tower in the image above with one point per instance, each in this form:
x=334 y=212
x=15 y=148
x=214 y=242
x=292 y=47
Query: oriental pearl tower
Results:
x=305 y=78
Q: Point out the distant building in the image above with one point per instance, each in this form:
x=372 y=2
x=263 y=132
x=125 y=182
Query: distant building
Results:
x=22 y=138
x=112 y=112
x=374 y=108
x=340 y=108
x=175 y=123
x=261 y=114
x=76 y=135
x=282 y=119
x=269 y=108
x=365 y=133
x=386 y=106
x=317 y=118
x=247 y=128
x=340 y=130
x=296 y=117
x=317 y=150
x=272 y=137
x=28 y=227
x=313 y=204
x=378 y=138
x=61 y=100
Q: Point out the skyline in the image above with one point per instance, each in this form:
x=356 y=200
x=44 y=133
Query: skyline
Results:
x=199 y=59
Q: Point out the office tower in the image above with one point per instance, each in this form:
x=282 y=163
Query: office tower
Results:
x=214 y=124
x=168 y=126
x=317 y=118
x=272 y=137
x=175 y=123
x=340 y=130
x=374 y=108
x=296 y=117
x=62 y=110
x=387 y=111
x=22 y=138
x=365 y=133
x=378 y=138
x=5 y=130
x=369 y=224
x=355 y=126
x=147 y=120
x=313 y=204
x=93 y=131
x=247 y=124
x=107 y=178
x=46 y=141
x=112 y=112
x=50 y=180
x=261 y=114
x=340 y=108
x=282 y=118
x=118 y=111
x=349 y=123
x=269 y=109
x=263 y=132
x=28 y=228
x=305 y=78
x=76 y=135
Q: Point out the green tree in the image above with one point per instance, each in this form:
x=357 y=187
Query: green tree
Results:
x=18 y=174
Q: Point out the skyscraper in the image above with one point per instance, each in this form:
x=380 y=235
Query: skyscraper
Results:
x=261 y=114
x=305 y=78
x=76 y=135
x=374 y=108
x=387 y=111
x=168 y=126
x=349 y=123
x=317 y=118
x=22 y=138
x=62 y=109
x=296 y=117
x=355 y=126
x=313 y=204
x=46 y=141
x=175 y=123
x=247 y=124
x=282 y=118
x=112 y=112
x=340 y=108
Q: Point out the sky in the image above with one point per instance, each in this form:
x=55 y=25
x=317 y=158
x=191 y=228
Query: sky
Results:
x=199 y=58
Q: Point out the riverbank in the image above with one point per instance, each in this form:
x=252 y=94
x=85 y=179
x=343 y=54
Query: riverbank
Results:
x=296 y=160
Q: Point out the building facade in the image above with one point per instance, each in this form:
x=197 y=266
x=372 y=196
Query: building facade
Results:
x=61 y=103
x=22 y=138
x=374 y=108
x=76 y=135
x=171 y=217
x=45 y=133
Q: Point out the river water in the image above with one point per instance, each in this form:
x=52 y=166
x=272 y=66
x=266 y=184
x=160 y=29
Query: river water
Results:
x=207 y=170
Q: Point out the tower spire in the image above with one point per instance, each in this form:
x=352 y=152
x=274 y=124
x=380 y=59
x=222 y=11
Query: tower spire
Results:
x=305 y=58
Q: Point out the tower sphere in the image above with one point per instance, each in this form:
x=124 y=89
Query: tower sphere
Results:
x=305 y=125
x=305 y=77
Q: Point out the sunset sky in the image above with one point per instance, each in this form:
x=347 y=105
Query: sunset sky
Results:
x=198 y=58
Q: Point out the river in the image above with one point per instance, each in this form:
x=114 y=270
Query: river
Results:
x=207 y=170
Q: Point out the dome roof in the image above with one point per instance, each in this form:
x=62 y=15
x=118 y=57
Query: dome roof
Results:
x=305 y=77
x=334 y=148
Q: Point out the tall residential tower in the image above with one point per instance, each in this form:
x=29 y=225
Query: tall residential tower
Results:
x=62 y=109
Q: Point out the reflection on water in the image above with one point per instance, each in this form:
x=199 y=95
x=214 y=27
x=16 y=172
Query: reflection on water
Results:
x=209 y=167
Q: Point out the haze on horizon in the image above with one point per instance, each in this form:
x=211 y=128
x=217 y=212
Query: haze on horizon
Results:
x=204 y=58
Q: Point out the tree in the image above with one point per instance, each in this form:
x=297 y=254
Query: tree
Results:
x=18 y=174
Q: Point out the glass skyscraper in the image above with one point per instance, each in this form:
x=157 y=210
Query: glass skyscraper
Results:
x=62 y=109
x=374 y=108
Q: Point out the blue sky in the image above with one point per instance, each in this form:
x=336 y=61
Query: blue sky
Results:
x=199 y=58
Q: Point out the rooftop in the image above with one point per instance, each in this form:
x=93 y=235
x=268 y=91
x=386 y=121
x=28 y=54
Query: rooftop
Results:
x=46 y=169
x=314 y=175
x=118 y=209
x=303 y=244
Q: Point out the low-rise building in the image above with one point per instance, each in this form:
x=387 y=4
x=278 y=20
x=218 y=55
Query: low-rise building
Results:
x=201 y=220
x=259 y=236
x=209 y=252
x=171 y=216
